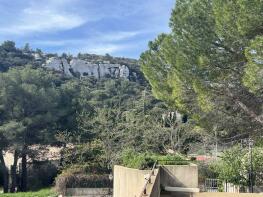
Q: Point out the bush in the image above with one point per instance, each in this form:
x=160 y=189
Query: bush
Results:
x=89 y=157
x=132 y=159
x=46 y=170
x=77 y=178
x=1 y=176
x=207 y=170
x=235 y=164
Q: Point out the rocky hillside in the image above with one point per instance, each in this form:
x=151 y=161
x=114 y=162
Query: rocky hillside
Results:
x=82 y=65
x=82 y=68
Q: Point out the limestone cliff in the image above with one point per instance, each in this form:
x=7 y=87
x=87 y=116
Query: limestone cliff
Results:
x=84 y=68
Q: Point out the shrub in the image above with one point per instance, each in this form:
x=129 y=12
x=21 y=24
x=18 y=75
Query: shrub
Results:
x=88 y=156
x=133 y=159
x=46 y=170
x=1 y=176
x=77 y=178
x=235 y=164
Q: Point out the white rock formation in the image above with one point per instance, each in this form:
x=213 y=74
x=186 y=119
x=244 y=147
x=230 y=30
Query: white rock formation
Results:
x=85 y=68
x=37 y=56
x=124 y=72
x=112 y=70
x=54 y=63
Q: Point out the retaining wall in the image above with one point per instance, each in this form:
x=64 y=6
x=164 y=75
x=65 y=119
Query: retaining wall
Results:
x=89 y=192
x=179 y=176
x=129 y=182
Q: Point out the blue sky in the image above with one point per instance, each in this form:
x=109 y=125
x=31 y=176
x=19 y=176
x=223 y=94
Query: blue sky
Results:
x=118 y=27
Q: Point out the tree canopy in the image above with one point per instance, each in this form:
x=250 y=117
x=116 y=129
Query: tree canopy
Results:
x=210 y=65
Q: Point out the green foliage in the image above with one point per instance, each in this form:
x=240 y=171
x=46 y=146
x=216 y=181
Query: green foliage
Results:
x=80 y=180
x=1 y=176
x=210 y=65
x=41 y=175
x=94 y=120
x=10 y=56
x=30 y=105
x=235 y=164
x=133 y=159
x=88 y=158
x=207 y=170
x=113 y=114
x=32 y=110
x=40 y=193
x=254 y=67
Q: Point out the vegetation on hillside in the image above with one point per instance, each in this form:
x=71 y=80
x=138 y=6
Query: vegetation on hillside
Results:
x=98 y=118
x=209 y=67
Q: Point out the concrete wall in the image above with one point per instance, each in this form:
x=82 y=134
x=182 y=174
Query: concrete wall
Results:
x=155 y=188
x=130 y=182
x=214 y=194
x=89 y=192
x=179 y=176
x=221 y=194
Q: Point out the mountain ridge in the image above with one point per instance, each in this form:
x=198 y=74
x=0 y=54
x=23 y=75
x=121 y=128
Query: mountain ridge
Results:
x=11 y=56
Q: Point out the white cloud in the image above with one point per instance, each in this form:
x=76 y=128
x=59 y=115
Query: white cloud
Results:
x=118 y=36
x=97 y=44
x=95 y=48
x=58 y=43
x=42 y=18
x=103 y=49
x=99 y=38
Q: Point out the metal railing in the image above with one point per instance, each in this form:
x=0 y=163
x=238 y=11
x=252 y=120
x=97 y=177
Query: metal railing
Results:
x=148 y=180
x=211 y=185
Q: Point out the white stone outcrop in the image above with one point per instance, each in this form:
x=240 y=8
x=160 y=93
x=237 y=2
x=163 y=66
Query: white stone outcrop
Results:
x=55 y=63
x=112 y=70
x=124 y=71
x=85 y=68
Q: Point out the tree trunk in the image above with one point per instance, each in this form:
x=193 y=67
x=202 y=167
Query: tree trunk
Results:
x=13 y=173
x=245 y=108
x=24 y=170
x=5 y=172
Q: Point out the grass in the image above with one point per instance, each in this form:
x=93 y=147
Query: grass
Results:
x=41 y=193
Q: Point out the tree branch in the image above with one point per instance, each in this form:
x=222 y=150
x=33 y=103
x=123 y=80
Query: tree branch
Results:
x=249 y=112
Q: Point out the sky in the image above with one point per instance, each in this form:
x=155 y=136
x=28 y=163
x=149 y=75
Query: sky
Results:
x=119 y=27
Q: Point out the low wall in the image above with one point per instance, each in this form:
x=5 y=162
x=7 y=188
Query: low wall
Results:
x=155 y=189
x=221 y=194
x=129 y=182
x=89 y=192
x=179 y=176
